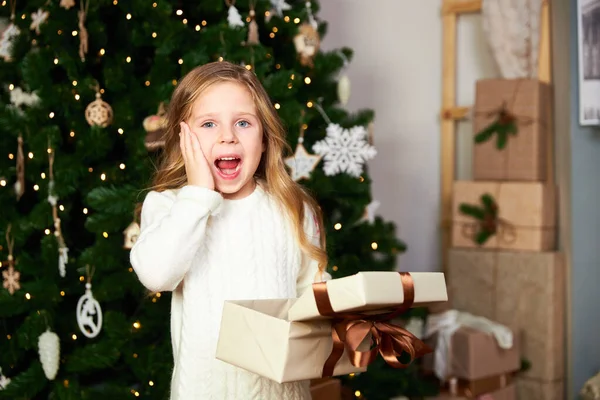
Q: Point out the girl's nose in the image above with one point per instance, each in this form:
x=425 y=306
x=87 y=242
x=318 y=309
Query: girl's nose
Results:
x=228 y=136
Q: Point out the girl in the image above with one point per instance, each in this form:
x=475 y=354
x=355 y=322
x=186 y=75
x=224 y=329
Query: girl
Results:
x=225 y=222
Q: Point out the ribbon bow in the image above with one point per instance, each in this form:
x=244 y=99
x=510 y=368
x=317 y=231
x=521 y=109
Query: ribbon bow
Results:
x=349 y=330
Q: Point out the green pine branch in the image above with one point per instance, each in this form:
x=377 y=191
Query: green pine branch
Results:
x=504 y=126
x=486 y=216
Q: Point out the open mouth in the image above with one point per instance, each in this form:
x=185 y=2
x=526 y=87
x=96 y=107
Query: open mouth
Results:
x=228 y=166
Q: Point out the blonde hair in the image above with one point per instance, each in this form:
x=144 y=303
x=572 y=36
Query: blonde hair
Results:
x=170 y=173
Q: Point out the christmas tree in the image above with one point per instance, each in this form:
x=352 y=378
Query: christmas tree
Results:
x=84 y=89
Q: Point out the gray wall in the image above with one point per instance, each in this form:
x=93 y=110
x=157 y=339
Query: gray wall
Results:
x=585 y=229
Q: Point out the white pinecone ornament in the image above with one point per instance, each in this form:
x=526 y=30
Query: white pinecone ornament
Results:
x=49 y=349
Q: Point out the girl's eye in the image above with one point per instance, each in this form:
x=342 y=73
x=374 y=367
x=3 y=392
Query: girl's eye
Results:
x=208 y=124
x=244 y=124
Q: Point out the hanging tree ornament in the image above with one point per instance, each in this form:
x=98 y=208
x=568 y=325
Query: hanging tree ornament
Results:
x=63 y=250
x=233 y=15
x=49 y=351
x=9 y=34
x=343 y=86
x=4 y=381
x=155 y=125
x=10 y=275
x=302 y=163
x=83 y=33
x=307 y=43
x=253 y=37
x=37 y=19
x=89 y=313
x=20 y=183
x=98 y=112
x=67 y=4
x=343 y=150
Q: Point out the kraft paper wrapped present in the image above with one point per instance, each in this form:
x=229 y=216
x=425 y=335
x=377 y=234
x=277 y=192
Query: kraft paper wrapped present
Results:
x=527 y=104
x=532 y=389
x=504 y=215
x=507 y=393
x=290 y=339
x=326 y=389
x=477 y=350
x=521 y=290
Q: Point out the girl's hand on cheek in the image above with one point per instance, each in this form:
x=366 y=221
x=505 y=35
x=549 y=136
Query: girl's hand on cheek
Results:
x=197 y=168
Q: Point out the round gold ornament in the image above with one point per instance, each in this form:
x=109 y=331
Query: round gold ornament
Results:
x=99 y=112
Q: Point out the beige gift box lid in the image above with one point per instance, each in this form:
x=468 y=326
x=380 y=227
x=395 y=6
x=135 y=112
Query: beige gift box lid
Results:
x=287 y=340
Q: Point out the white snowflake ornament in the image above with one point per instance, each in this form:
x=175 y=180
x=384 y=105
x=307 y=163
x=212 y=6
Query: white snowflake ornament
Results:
x=344 y=150
x=234 y=18
x=37 y=19
x=279 y=6
x=11 y=279
x=49 y=350
x=6 y=41
x=302 y=163
x=4 y=381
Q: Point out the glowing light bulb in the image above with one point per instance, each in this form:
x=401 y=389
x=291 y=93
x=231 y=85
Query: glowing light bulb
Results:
x=180 y=61
x=27 y=296
x=11 y=86
x=62 y=293
x=103 y=177
x=74 y=33
x=309 y=104
x=179 y=12
x=72 y=134
x=36 y=187
x=374 y=245
x=76 y=97
x=47 y=231
x=74 y=336
x=197 y=28
x=120 y=130
x=74 y=83
x=61 y=207
x=154 y=34
x=122 y=166
x=2 y=182
x=307 y=80
x=30 y=155
x=128 y=16
x=277 y=106
x=337 y=226
x=56 y=61
x=128 y=59
x=137 y=325
x=85 y=210
x=296 y=20
x=102 y=52
x=105 y=234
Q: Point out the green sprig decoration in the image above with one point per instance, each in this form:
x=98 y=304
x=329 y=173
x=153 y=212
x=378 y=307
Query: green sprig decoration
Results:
x=486 y=215
x=504 y=125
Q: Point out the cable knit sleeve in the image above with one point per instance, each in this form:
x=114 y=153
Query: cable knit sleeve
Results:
x=172 y=228
x=309 y=268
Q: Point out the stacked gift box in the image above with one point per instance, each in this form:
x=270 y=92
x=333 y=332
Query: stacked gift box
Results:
x=503 y=263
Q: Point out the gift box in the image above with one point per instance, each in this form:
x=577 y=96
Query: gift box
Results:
x=531 y=389
x=476 y=358
x=512 y=126
x=504 y=215
x=522 y=290
x=326 y=389
x=530 y=297
x=507 y=393
x=295 y=339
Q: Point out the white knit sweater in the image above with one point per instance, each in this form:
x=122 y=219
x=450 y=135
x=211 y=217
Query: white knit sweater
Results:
x=207 y=250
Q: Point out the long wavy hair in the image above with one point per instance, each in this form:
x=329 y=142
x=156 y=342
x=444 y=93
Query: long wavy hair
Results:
x=271 y=170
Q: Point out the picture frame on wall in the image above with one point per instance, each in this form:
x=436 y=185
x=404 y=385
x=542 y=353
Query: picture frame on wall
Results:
x=588 y=17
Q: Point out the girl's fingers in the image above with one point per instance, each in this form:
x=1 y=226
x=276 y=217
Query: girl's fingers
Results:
x=188 y=141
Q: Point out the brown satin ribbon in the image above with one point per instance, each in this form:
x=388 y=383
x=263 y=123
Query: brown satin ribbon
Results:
x=350 y=329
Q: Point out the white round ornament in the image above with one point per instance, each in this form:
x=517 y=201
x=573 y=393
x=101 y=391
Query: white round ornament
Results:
x=89 y=313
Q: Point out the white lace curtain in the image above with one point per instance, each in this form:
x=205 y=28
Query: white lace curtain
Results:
x=512 y=28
